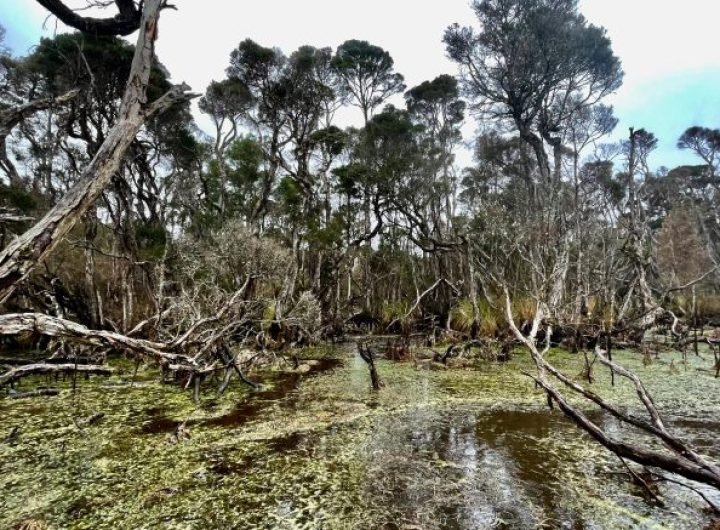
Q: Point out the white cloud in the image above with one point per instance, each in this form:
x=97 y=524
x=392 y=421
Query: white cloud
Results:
x=657 y=37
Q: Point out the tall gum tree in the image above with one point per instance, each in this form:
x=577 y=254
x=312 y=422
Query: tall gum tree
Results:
x=532 y=65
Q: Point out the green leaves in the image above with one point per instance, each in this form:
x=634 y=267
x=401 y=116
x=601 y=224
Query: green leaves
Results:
x=226 y=99
x=529 y=56
x=367 y=73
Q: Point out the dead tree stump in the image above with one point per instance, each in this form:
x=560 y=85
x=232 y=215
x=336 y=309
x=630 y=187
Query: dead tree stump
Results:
x=368 y=356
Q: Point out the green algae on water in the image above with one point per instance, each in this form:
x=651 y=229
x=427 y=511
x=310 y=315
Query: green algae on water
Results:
x=317 y=448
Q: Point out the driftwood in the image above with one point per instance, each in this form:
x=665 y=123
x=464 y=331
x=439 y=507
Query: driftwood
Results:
x=43 y=368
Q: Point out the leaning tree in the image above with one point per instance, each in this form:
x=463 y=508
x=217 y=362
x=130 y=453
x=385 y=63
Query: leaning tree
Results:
x=26 y=251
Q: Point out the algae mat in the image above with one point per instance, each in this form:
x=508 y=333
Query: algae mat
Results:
x=316 y=448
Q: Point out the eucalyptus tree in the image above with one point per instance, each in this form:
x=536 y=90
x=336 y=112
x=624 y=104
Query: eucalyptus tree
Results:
x=67 y=141
x=307 y=100
x=437 y=107
x=367 y=73
x=18 y=259
x=704 y=143
x=368 y=77
x=292 y=99
x=532 y=66
x=225 y=102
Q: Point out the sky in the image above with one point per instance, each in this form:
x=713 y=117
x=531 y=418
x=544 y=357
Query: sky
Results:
x=669 y=49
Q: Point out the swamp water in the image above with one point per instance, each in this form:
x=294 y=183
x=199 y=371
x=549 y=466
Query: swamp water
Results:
x=455 y=449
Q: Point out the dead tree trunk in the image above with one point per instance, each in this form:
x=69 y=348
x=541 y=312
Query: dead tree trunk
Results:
x=681 y=458
x=369 y=357
x=19 y=258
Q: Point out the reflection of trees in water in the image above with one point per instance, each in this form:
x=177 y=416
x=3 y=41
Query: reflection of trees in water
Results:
x=454 y=469
x=440 y=469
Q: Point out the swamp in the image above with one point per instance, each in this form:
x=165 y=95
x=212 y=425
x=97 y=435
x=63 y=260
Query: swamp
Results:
x=319 y=293
x=317 y=448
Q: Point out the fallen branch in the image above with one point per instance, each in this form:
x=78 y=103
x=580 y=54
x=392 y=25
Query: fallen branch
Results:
x=16 y=323
x=33 y=393
x=42 y=368
x=682 y=461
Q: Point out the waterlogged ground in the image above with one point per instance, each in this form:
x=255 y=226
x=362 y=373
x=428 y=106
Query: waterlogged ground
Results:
x=317 y=449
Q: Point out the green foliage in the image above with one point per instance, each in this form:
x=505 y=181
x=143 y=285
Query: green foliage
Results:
x=14 y=197
x=151 y=239
x=328 y=236
x=350 y=178
x=245 y=159
x=289 y=193
x=225 y=99
x=436 y=105
x=492 y=319
x=97 y=64
x=268 y=316
x=367 y=74
x=398 y=312
x=252 y=64
x=330 y=140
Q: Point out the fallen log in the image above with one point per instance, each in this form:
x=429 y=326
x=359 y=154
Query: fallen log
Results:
x=43 y=368
x=33 y=393
x=16 y=323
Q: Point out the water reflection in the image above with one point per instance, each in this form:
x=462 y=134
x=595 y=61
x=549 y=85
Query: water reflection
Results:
x=464 y=469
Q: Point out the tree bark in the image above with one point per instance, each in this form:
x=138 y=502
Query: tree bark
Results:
x=124 y=23
x=19 y=258
x=14 y=324
x=42 y=368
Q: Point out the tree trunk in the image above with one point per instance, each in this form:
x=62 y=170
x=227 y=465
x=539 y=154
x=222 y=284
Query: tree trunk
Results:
x=472 y=290
x=90 y=290
x=19 y=258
